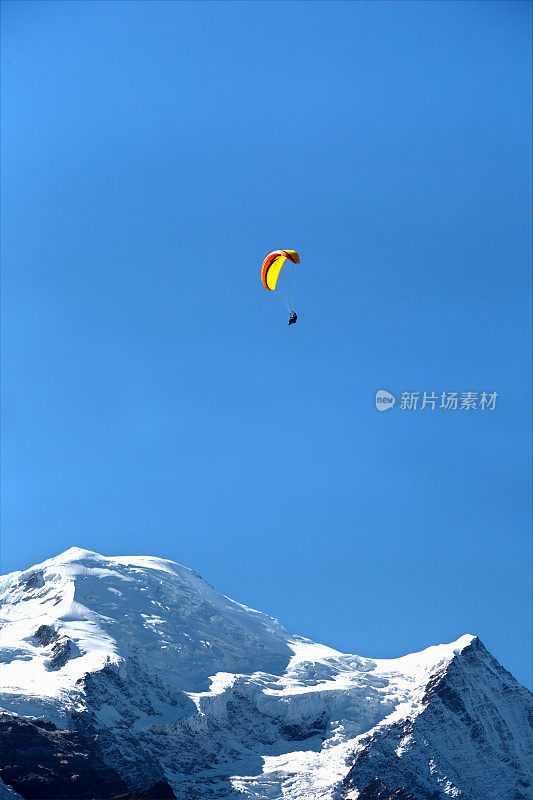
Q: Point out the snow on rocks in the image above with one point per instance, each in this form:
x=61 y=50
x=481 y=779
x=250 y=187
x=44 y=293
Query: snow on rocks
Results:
x=174 y=680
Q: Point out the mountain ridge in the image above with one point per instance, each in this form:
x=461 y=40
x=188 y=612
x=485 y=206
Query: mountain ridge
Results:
x=168 y=681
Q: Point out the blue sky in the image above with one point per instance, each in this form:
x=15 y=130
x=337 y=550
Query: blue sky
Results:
x=155 y=400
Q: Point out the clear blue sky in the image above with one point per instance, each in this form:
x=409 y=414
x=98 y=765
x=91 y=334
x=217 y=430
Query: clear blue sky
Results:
x=155 y=400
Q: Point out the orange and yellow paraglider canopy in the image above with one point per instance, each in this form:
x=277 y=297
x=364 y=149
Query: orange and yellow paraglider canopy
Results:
x=272 y=266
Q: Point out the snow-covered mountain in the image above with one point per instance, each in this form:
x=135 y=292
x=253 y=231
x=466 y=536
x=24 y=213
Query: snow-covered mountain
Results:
x=131 y=674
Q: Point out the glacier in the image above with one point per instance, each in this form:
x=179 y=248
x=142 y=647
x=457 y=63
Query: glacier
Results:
x=123 y=673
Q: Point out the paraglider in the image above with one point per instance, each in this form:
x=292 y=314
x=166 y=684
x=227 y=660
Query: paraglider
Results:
x=270 y=272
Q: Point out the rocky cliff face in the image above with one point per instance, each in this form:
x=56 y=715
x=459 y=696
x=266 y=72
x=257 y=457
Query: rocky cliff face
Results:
x=133 y=677
x=473 y=704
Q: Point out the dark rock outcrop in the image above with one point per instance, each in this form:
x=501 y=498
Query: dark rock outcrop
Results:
x=63 y=648
x=43 y=763
x=35 y=581
x=377 y=790
x=45 y=635
x=159 y=791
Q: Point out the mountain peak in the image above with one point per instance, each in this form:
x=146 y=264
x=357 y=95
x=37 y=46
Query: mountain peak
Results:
x=223 y=702
x=77 y=554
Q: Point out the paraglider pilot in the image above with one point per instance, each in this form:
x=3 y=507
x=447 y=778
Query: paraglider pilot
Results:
x=293 y=317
